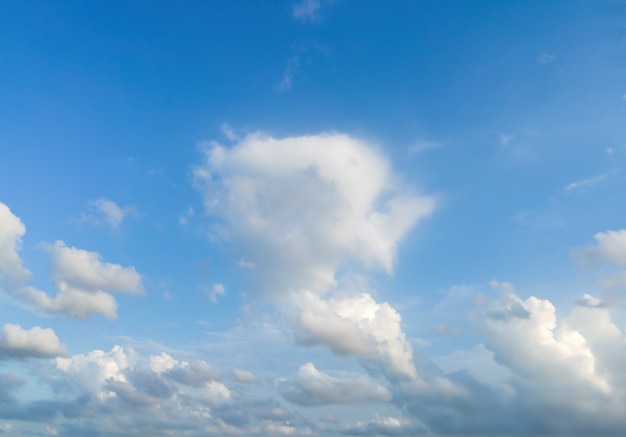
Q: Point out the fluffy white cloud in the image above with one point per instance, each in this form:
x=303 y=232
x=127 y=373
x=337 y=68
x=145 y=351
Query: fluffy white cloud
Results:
x=355 y=324
x=16 y=342
x=312 y=387
x=304 y=207
x=83 y=282
x=89 y=373
x=87 y=271
x=12 y=272
x=82 y=279
x=609 y=252
x=524 y=335
x=610 y=248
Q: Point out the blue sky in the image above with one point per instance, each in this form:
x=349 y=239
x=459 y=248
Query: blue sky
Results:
x=312 y=217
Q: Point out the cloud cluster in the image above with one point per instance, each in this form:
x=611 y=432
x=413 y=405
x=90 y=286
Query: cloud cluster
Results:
x=547 y=377
x=84 y=282
x=303 y=209
x=119 y=390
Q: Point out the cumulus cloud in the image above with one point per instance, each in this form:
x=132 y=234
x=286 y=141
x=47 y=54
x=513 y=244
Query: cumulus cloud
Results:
x=526 y=337
x=84 y=283
x=304 y=207
x=609 y=251
x=355 y=325
x=82 y=279
x=312 y=387
x=384 y=426
x=89 y=373
x=157 y=395
x=12 y=273
x=610 y=248
x=103 y=210
x=16 y=342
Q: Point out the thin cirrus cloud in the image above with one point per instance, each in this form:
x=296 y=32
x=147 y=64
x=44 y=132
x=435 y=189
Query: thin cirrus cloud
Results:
x=286 y=81
x=106 y=211
x=83 y=281
x=306 y=10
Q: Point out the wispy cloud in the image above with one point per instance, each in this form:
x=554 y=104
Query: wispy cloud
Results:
x=286 y=81
x=505 y=139
x=306 y=10
x=217 y=290
x=585 y=183
x=106 y=211
x=228 y=132
x=546 y=58
x=423 y=145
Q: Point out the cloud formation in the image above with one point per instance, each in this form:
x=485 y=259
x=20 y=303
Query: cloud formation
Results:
x=303 y=208
x=609 y=252
x=312 y=387
x=16 y=343
x=306 y=10
x=103 y=210
x=82 y=279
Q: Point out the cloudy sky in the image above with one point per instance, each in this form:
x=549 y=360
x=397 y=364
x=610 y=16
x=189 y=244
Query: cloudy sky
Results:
x=316 y=217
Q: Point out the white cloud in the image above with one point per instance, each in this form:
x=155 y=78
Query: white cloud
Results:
x=286 y=82
x=87 y=271
x=83 y=282
x=546 y=58
x=245 y=264
x=12 y=272
x=505 y=140
x=194 y=374
x=585 y=183
x=162 y=363
x=109 y=212
x=524 y=336
x=82 y=279
x=16 y=342
x=244 y=376
x=228 y=132
x=306 y=10
x=217 y=290
x=302 y=208
x=423 y=145
x=312 y=387
x=385 y=426
x=356 y=325
x=610 y=248
x=89 y=373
